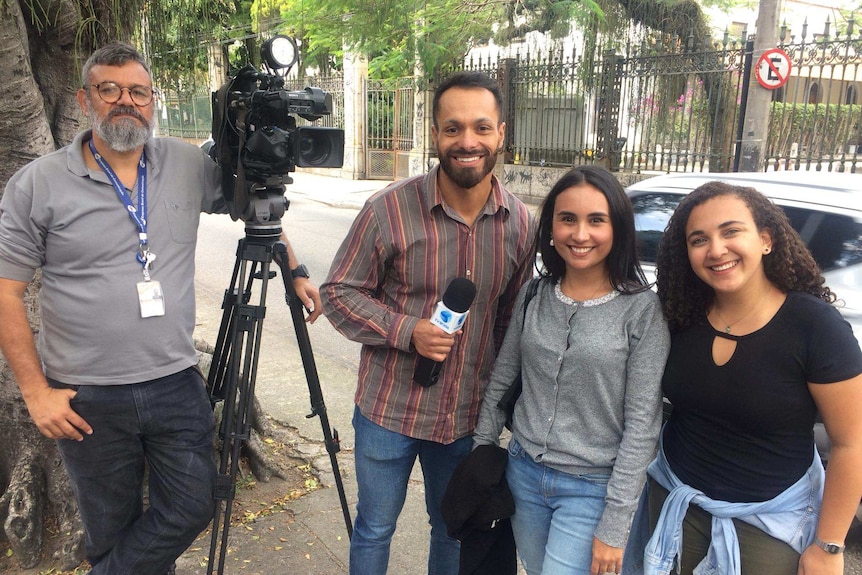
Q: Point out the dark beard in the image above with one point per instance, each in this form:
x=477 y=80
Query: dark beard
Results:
x=125 y=135
x=467 y=177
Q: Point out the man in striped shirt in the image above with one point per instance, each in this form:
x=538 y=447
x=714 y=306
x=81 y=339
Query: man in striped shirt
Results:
x=405 y=246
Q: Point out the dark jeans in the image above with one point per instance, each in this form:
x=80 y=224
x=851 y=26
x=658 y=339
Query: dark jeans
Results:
x=759 y=553
x=166 y=423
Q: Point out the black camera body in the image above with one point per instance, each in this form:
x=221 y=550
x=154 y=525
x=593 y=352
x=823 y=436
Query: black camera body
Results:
x=257 y=143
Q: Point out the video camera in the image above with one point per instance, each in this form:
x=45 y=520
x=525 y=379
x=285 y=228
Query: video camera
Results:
x=257 y=142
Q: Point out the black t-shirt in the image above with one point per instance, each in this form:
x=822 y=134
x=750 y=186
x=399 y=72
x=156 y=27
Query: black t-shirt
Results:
x=742 y=432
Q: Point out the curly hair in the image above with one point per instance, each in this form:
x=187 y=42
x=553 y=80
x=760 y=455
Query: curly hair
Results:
x=624 y=270
x=686 y=299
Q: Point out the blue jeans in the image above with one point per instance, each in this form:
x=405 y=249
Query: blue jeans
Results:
x=556 y=515
x=167 y=423
x=384 y=460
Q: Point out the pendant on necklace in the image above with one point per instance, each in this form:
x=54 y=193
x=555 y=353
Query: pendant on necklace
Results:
x=727 y=329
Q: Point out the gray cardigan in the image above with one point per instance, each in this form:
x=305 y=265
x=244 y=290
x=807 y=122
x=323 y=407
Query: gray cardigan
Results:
x=592 y=391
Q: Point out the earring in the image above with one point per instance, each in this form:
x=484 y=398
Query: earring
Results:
x=766 y=250
x=552 y=241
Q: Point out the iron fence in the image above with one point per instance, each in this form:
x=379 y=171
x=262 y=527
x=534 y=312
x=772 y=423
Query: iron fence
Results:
x=389 y=119
x=661 y=105
x=185 y=114
x=816 y=116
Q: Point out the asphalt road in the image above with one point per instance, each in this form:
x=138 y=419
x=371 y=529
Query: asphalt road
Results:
x=315 y=231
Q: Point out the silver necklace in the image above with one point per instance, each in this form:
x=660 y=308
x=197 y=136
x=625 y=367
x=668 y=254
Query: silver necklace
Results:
x=748 y=313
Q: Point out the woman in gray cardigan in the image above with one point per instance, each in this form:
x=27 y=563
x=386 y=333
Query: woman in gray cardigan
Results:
x=590 y=350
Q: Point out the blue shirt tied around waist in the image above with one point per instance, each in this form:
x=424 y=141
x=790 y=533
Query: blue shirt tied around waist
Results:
x=790 y=517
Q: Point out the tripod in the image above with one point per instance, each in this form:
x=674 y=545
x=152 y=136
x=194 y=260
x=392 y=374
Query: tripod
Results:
x=234 y=369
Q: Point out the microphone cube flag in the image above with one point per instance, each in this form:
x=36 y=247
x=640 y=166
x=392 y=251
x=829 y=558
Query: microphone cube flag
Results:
x=446 y=319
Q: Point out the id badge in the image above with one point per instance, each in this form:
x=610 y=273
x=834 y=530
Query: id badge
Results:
x=151 y=298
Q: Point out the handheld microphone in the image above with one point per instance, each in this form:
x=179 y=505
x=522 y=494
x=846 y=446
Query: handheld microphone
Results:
x=449 y=315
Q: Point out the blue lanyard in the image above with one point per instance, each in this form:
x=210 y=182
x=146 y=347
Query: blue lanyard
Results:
x=138 y=215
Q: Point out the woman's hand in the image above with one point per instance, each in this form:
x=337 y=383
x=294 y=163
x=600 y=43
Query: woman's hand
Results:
x=606 y=559
x=816 y=561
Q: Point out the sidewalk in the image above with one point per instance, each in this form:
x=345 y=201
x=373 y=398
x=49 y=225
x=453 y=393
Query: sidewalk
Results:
x=335 y=192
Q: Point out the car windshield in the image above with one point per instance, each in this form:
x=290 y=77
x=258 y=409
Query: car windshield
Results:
x=835 y=240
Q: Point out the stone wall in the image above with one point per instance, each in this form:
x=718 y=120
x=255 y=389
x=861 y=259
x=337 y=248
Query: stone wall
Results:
x=532 y=183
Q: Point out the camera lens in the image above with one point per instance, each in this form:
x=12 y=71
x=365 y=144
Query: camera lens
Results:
x=314 y=148
x=319 y=147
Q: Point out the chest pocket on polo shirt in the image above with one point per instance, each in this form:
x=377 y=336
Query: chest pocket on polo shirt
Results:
x=182 y=216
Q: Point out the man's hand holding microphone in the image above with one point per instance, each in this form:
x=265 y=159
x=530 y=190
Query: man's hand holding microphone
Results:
x=433 y=338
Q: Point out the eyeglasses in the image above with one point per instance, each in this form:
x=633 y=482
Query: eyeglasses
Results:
x=110 y=93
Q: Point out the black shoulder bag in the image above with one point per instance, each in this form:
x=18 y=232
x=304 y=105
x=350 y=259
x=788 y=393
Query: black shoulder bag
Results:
x=510 y=398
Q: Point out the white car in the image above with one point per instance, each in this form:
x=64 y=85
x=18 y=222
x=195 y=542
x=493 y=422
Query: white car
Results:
x=824 y=207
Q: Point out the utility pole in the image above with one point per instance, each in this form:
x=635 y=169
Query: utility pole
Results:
x=756 y=122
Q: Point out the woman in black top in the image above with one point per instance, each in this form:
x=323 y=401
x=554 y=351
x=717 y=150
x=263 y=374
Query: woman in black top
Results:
x=757 y=350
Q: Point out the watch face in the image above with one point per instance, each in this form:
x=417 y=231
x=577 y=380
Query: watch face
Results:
x=833 y=548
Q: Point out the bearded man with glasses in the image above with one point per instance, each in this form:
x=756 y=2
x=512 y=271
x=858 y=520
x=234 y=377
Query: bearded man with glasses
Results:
x=111 y=220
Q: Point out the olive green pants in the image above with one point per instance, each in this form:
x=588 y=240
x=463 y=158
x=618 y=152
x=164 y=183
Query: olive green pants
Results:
x=759 y=553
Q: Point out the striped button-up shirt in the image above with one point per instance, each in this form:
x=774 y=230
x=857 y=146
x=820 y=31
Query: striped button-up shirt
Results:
x=403 y=249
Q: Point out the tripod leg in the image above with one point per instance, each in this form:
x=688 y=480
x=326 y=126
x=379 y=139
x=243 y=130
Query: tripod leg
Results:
x=318 y=407
x=238 y=348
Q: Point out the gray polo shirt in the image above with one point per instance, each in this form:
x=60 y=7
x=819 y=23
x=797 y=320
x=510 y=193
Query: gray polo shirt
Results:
x=58 y=215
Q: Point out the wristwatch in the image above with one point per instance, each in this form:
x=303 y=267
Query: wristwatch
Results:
x=831 y=548
x=299 y=271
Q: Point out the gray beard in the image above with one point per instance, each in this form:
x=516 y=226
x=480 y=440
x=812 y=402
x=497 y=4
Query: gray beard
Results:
x=123 y=136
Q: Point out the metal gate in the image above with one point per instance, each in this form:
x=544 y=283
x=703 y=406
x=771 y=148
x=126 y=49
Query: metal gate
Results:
x=389 y=128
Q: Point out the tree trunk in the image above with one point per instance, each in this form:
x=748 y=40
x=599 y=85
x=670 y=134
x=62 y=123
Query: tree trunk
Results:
x=37 y=113
x=35 y=488
x=42 y=48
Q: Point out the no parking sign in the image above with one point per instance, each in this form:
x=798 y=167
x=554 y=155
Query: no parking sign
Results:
x=773 y=68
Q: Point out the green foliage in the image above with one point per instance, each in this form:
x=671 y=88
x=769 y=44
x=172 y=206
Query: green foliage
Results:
x=177 y=33
x=729 y=5
x=552 y=16
x=817 y=129
x=683 y=119
x=398 y=35
x=847 y=11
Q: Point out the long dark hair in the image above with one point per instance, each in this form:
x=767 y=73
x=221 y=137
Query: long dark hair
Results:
x=624 y=270
x=686 y=299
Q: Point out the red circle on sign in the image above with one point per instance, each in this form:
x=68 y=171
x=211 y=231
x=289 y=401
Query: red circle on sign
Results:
x=773 y=69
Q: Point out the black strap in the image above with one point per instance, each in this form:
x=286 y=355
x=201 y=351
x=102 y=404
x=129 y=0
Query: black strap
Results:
x=531 y=292
x=507 y=402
